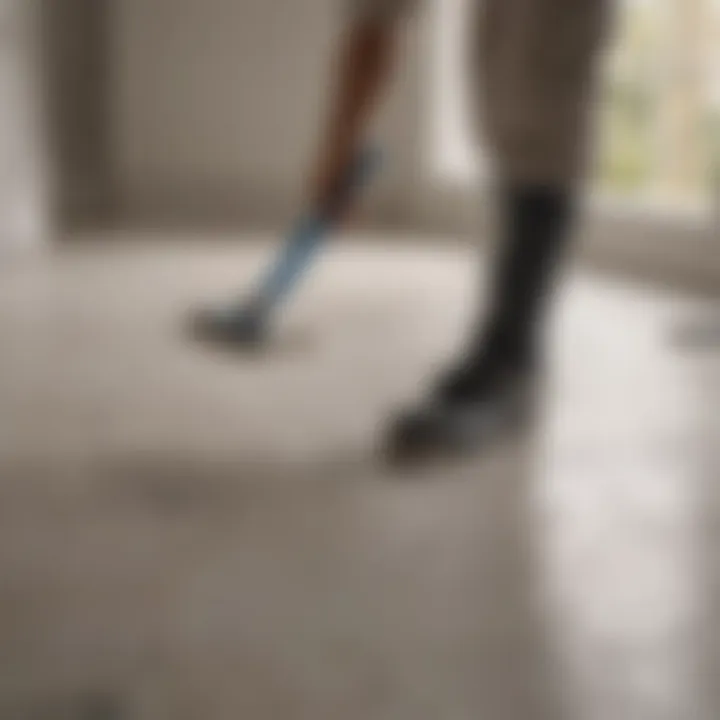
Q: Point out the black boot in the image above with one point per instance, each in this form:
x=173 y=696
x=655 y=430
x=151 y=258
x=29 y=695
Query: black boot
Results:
x=491 y=390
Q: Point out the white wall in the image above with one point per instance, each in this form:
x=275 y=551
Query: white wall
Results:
x=25 y=187
x=218 y=103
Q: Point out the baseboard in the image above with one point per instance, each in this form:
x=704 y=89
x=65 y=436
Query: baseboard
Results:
x=664 y=248
x=668 y=250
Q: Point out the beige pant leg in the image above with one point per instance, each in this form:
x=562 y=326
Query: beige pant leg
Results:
x=537 y=62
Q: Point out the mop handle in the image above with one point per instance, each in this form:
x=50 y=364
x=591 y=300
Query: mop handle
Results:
x=310 y=232
x=363 y=167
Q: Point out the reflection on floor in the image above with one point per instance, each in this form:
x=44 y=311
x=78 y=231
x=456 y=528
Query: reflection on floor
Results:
x=191 y=535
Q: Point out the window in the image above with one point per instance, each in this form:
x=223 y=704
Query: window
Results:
x=660 y=116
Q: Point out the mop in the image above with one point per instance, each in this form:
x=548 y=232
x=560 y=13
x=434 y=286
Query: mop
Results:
x=248 y=321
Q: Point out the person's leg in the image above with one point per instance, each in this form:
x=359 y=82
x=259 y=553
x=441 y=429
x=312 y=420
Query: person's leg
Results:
x=537 y=59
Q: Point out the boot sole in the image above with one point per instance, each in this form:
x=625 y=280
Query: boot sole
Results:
x=409 y=446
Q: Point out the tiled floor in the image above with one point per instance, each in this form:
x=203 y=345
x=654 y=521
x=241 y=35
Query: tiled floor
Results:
x=191 y=535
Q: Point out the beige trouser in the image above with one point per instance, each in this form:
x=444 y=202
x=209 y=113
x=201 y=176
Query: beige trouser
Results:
x=534 y=67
